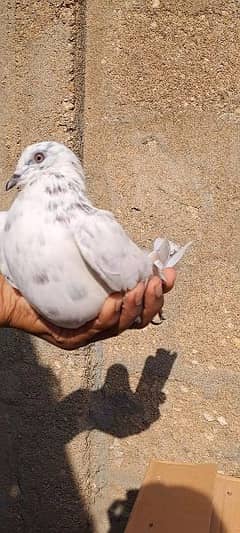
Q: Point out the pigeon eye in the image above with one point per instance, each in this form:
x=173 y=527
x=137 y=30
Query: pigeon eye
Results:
x=39 y=157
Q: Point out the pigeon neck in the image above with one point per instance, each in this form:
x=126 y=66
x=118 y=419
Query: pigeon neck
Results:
x=71 y=172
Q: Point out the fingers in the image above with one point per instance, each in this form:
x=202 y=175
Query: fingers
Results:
x=122 y=311
x=132 y=306
x=117 y=314
x=110 y=312
x=153 y=301
x=170 y=277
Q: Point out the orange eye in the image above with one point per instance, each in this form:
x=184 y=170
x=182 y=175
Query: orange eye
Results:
x=39 y=157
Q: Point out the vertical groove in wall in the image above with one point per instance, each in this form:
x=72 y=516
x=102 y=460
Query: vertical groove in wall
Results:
x=79 y=51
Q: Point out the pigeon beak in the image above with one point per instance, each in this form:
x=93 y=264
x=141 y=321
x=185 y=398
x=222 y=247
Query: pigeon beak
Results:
x=12 y=182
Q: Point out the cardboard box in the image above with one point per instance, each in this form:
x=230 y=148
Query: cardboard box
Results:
x=186 y=498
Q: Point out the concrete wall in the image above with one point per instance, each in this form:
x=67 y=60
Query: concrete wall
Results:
x=157 y=85
x=162 y=106
x=43 y=459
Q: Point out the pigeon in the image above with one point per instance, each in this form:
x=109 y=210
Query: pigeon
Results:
x=59 y=251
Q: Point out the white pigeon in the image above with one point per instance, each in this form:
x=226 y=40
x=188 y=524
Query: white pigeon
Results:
x=63 y=254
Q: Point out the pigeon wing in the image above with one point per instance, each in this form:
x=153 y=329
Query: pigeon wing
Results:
x=109 y=251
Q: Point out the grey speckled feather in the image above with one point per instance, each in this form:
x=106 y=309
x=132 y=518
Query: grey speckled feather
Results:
x=64 y=255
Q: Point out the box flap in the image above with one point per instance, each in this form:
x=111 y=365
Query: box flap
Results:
x=174 y=498
x=226 y=505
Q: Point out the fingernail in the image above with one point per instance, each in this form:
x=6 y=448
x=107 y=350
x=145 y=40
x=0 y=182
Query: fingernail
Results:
x=140 y=293
x=158 y=291
x=138 y=320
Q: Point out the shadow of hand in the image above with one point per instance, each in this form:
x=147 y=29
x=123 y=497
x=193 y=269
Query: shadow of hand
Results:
x=115 y=409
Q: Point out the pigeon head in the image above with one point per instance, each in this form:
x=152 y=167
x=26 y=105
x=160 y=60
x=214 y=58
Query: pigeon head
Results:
x=41 y=157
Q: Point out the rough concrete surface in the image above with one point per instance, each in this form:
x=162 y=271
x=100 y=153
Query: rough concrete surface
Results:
x=43 y=459
x=156 y=85
x=165 y=158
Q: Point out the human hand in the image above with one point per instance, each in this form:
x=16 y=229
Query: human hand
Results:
x=118 y=313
